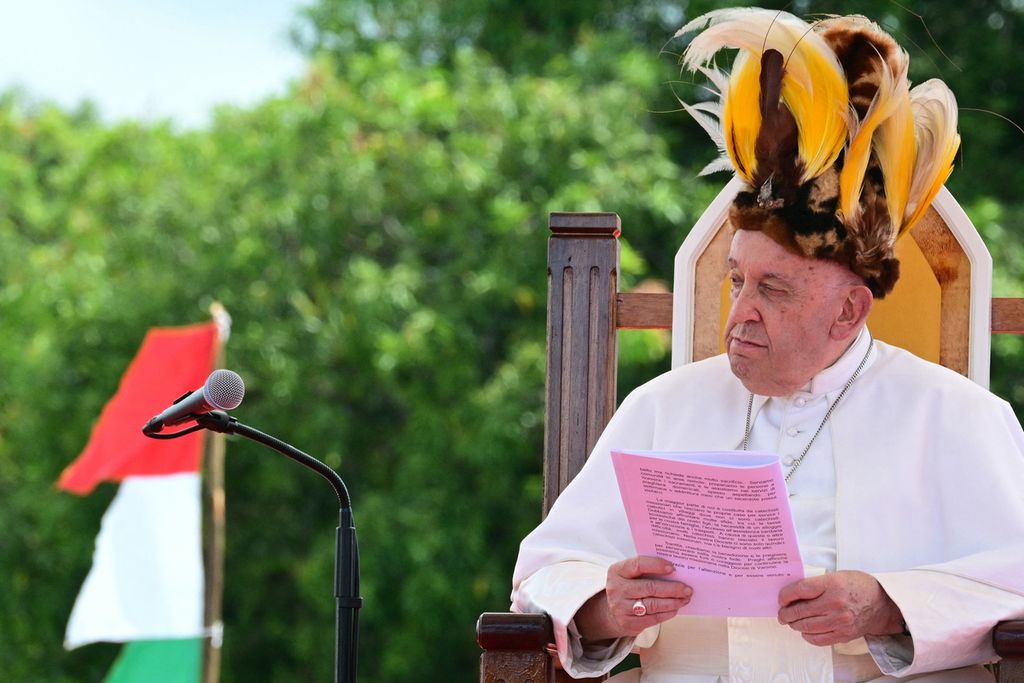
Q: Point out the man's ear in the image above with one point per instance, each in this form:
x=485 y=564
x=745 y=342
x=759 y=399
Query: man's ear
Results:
x=854 y=311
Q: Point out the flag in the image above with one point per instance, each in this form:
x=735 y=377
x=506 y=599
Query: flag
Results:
x=145 y=586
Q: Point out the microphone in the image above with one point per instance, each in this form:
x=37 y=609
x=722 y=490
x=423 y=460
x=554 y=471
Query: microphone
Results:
x=223 y=390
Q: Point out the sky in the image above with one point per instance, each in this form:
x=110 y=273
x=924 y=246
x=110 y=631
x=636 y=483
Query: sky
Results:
x=149 y=59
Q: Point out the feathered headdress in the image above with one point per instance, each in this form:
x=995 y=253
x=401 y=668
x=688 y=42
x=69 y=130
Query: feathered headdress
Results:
x=841 y=157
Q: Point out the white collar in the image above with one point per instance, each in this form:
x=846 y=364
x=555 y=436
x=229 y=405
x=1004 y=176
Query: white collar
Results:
x=834 y=377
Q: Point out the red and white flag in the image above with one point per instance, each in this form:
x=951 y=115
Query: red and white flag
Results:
x=146 y=581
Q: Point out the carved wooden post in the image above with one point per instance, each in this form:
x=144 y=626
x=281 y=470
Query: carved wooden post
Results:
x=515 y=648
x=583 y=280
x=1008 y=639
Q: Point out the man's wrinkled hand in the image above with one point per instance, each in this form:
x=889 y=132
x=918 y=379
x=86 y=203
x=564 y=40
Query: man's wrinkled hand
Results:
x=839 y=607
x=632 y=583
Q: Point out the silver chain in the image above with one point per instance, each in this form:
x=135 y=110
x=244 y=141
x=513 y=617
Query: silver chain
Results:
x=828 y=413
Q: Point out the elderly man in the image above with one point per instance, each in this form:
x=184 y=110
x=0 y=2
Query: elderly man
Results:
x=906 y=480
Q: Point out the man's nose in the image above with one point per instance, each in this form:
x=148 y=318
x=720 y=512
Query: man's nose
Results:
x=743 y=307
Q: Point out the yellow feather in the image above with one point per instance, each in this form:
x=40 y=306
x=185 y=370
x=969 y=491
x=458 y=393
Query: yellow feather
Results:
x=741 y=115
x=945 y=168
x=821 y=114
x=896 y=153
x=858 y=153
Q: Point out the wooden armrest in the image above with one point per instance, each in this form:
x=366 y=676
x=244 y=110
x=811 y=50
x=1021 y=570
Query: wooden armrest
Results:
x=1008 y=639
x=511 y=631
x=515 y=648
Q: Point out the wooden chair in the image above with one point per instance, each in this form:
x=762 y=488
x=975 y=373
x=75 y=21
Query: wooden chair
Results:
x=585 y=310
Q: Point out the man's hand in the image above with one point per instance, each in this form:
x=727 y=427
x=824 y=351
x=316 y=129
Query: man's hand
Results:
x=610 y=614
x=839 y=607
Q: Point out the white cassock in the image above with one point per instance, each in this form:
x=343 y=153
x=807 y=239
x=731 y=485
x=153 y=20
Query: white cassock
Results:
x=916 y=478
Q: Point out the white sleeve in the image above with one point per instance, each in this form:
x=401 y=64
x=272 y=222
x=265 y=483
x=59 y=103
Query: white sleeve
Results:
x=560 y=590
x=564 y=561
x=950 y=620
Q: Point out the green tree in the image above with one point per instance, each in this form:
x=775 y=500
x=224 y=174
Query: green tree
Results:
x=972 y=46
x=520 y=36
x=378 y=236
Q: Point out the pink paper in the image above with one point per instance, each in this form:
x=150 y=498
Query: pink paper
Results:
x=722 y=518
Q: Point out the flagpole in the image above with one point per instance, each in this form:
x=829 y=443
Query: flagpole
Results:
x=215 y=523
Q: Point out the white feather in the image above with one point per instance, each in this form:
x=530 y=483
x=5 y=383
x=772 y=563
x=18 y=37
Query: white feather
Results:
x=713 y=17
x=709 y=116
x=719 y=79
x=719 y=164
x=755 y=30
x=935 y=121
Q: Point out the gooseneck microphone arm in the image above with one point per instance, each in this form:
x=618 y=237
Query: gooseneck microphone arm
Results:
x=346 y=557
x=218 y=421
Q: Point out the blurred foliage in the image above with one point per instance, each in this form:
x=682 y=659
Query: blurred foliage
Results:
x=520 y=35
x=379 y=238
x=378 y=233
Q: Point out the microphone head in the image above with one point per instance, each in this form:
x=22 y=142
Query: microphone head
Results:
x=224 y=389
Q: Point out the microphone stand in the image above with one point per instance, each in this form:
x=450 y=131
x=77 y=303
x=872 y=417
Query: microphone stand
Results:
x=346 y=556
